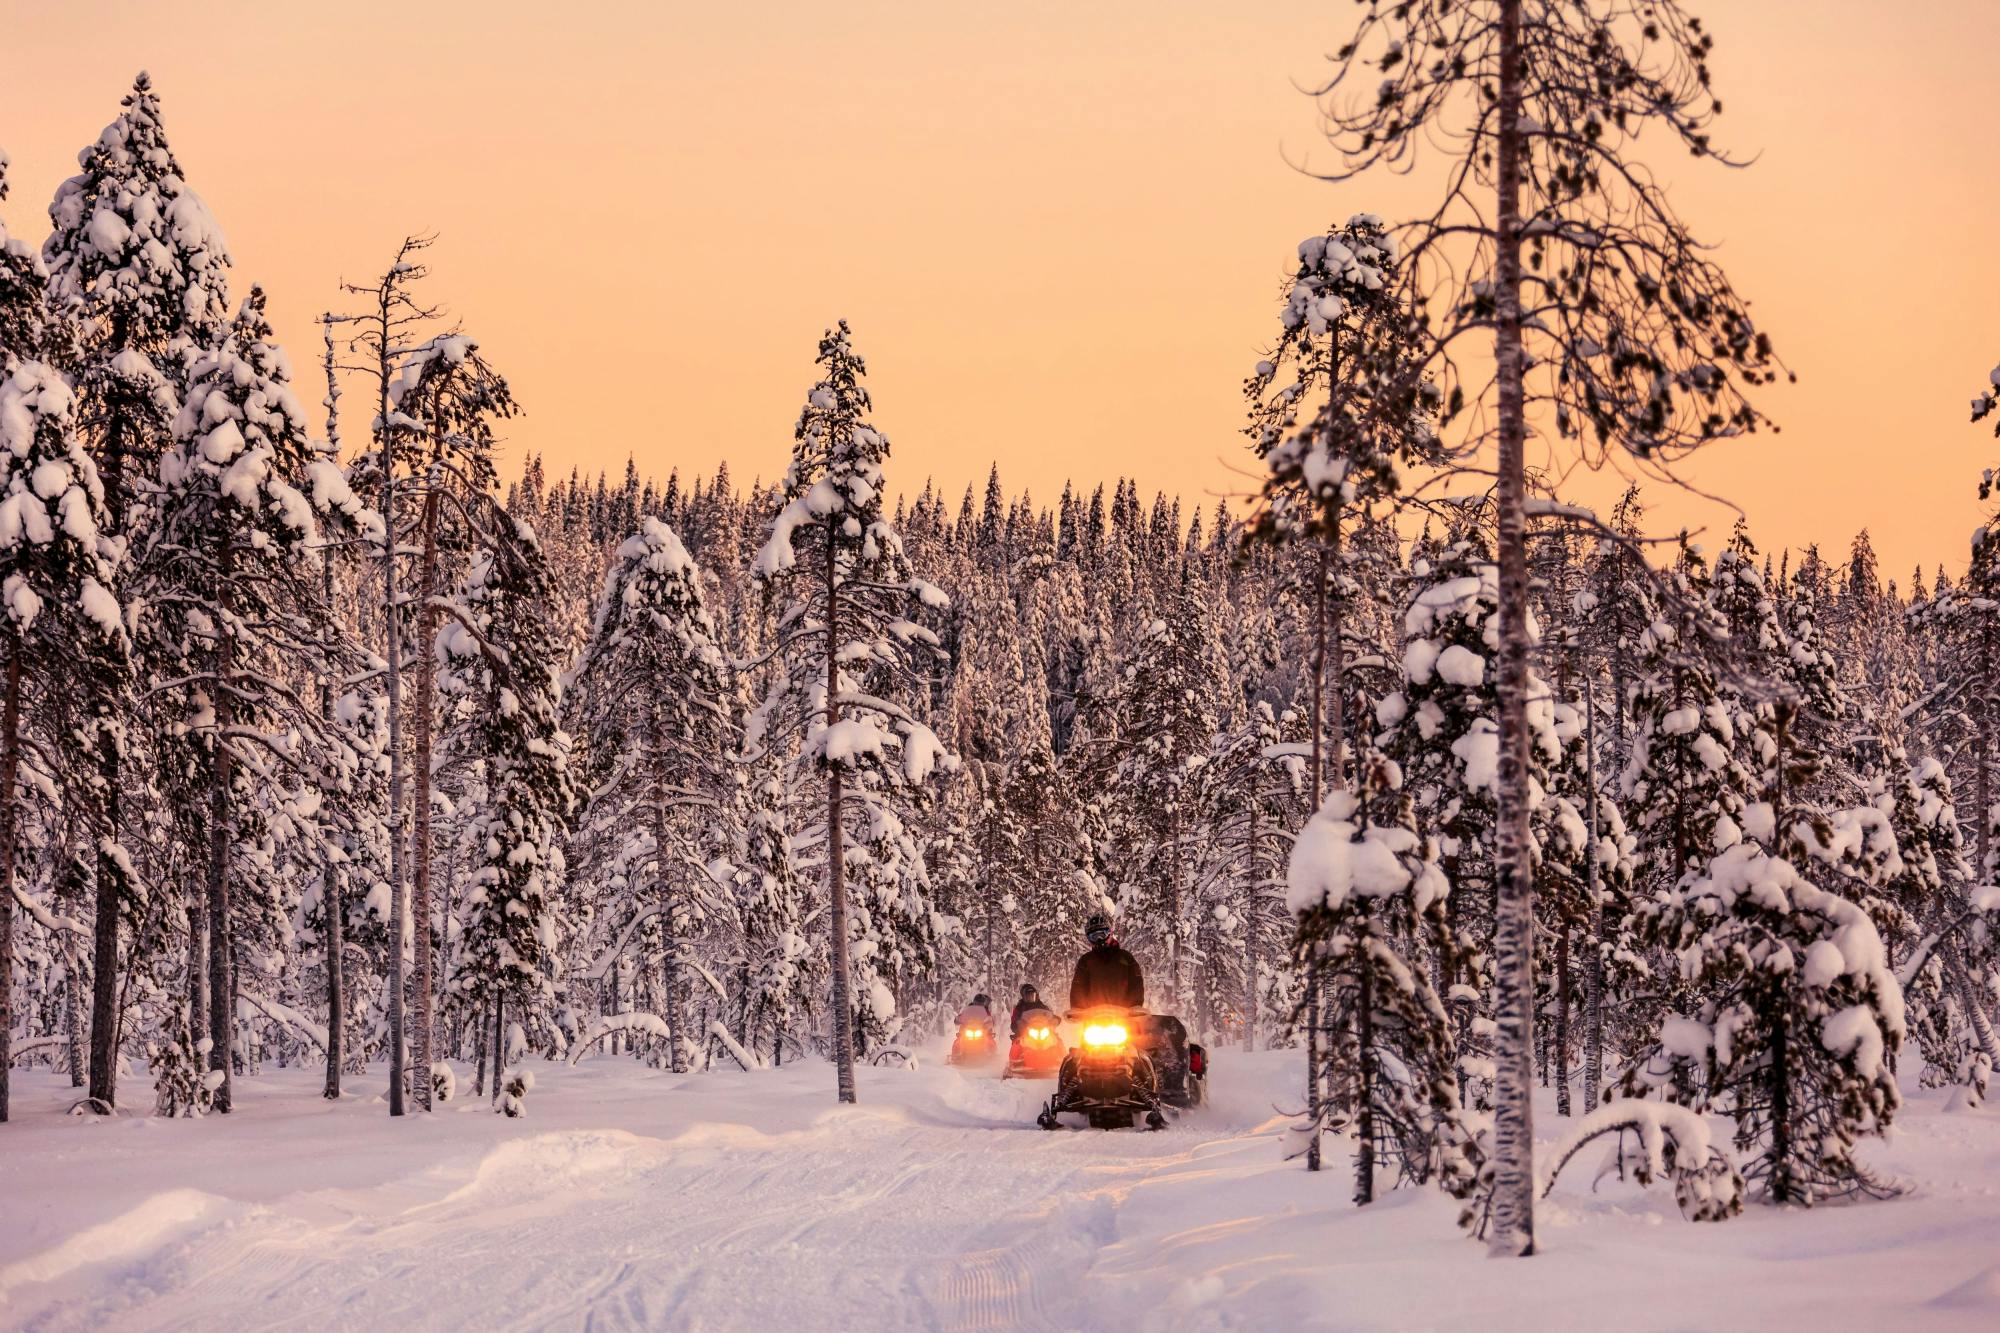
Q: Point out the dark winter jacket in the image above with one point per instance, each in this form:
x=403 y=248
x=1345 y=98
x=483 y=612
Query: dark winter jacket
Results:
x=1022 y=1010
x=1107 y=975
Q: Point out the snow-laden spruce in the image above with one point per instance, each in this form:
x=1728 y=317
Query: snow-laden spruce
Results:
x=500 y=676
x=138 y=277
x=231 y=595
x=845 y=649
x=1370 y=898
x=60 y=627
x=1798 y=1016
x=654 y=686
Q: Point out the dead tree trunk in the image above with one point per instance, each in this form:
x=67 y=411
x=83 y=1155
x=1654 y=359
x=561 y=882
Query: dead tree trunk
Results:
x=393 y=681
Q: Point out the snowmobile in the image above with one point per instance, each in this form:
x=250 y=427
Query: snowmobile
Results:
x=1038 y=1051
x=974 y=1044
x=1130 y=1063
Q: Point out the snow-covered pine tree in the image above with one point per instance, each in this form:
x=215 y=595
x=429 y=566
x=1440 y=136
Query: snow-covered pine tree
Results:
x=444 y=401
x=1440 y=729
x=843 y=639
x=138 y=275
x=1686 y=782
x=781 y=971
x=1797 y=1018
x=1364 y=419
x=1538 y=109
x=1367 y=895
x=1051 y=862
x=1251 y=790
x=23 y=293
x=60 y=627
x=234 y=601
x=1934 y=919
x=1168 y=713
x=500 y=672
x=654 y=692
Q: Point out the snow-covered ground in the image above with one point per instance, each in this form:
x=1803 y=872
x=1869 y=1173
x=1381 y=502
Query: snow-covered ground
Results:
x=631 y=1198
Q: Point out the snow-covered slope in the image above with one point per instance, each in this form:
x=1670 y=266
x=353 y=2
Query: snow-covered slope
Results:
x=635 y=1199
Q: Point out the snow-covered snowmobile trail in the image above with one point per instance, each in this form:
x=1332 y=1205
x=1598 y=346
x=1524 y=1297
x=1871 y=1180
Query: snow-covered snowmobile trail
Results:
x=636 y=1199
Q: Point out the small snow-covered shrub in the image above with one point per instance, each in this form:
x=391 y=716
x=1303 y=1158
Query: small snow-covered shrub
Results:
x=514 y=1087
x=444 y=1083
x=182 y=1085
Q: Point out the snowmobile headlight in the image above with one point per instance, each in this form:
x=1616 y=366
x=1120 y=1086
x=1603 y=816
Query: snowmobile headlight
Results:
x=1039 y=1034
x=1109 y=1035
x=973 y=1032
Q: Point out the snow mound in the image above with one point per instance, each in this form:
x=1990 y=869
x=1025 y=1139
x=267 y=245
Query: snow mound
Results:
x=145 y=1229
x=537 y=1164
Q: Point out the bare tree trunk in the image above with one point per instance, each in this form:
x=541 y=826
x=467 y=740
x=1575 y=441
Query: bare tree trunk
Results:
x=73 y=1012
x=332 y=889
x=1364 y=1074
x=1513 y=1216
x=1971 y=996
x=1332 y=642
x=483 y=1047
x=499 y=1040
x=336 y=1000
x=10 y=772
x=105 y=1018
x=671 y=971
x=1782 y=1190
x=1593 y=965
x=1559 y=1062
x=836 y=872
x=398 y=902
x=221 y=990
x=1174 y=904
x=196 y=893
x=420 y=838
x=1983 y=754
x=104 y=963
x=1318 y=778
x=1250 y=959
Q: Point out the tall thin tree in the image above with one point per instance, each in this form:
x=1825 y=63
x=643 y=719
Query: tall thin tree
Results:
x=1607 y=323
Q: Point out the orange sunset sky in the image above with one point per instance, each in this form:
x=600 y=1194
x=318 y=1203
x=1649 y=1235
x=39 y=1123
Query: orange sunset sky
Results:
x=1058 y=229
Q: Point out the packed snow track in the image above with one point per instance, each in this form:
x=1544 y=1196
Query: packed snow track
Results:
x=637 y=1199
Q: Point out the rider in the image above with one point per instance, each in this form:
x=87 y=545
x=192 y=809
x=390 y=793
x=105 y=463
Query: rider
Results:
x=1030 y=1001
x=980 y=1011
x=1106 y=974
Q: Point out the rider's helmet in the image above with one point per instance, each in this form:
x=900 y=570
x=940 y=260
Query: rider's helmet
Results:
x=983 y=1000
x=1028 y=991
x=1098 y=929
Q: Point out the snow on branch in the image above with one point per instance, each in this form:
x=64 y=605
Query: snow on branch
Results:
x=742 y=1057
x=285 y=1016
x=1672 y=1142
x=630 y=1021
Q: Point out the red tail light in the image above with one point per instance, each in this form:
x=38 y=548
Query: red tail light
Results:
x=1198 y=1061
